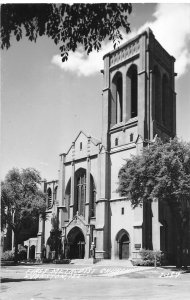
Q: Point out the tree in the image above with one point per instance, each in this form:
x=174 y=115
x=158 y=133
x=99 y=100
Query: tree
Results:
x=22 y=202
x=161 y=172
x=68 y=25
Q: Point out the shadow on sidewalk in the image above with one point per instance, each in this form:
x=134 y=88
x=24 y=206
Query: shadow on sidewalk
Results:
x=5 y=280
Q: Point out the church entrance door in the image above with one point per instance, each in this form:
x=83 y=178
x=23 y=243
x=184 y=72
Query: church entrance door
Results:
x=124 y=247
x=123 y=244
x=77 y=243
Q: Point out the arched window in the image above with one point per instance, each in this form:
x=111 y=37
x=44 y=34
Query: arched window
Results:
x=50 y=202
x=165 y=99
x=117 y=99
x=81 y=193
x=55 y=194
x=68 y=197
x=132 y=89
x=93 y=198
x=157 y=94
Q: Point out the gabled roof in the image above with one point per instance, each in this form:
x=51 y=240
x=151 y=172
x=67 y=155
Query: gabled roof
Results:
x=92 y=139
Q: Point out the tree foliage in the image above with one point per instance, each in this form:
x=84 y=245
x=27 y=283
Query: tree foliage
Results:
x=21 y=201
x=68 y=25
x=161 y=172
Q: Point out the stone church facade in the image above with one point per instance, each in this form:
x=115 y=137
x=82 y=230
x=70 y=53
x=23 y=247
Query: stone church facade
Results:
x=138 y=103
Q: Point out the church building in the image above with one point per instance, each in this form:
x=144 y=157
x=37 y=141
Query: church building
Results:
x=83 y=206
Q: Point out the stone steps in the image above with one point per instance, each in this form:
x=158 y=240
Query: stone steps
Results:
x=111 y=262
x=102 y=262
x=89 y=261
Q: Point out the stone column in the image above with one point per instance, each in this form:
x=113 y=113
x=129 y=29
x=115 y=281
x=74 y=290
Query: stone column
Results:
x=128 y=97
x=39 y=239
x=173 y=98
x=87 y=245
x=41 y=228
x=142 y=88
x=151 y=105
x=155 y=225
x=13 y=240
x=106 y=103
x=173 y=112
x=61 y=191
x=102 y=209
x=28 y=249
x=88 y=183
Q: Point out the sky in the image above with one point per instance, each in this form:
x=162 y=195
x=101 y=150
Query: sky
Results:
x=45 y=103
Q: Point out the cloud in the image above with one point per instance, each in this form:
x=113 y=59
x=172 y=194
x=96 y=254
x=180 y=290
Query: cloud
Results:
x=83 y=64
x=171 y=28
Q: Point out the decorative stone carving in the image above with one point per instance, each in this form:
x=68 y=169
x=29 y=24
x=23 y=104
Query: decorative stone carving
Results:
x=127 y=52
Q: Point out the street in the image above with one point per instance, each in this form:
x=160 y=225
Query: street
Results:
x=93 y=282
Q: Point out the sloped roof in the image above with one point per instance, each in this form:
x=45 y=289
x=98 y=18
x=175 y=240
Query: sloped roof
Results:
x=94 y=140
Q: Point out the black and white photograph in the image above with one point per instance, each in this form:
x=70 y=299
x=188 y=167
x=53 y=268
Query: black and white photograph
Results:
x=95 y=150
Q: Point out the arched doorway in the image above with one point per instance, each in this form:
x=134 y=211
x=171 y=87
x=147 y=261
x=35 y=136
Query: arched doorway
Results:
x=123 y=241
x=76 y=243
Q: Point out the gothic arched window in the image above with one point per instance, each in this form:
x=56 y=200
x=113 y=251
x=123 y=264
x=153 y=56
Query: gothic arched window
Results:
x=119 y=107
x=132 y=89
x=93 y=199
x=68 y=197
x=117 y=99
x=81 y=193
x=50 y=202
x=55 y=194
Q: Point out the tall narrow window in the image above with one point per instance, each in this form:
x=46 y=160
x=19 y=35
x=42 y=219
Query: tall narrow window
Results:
x=81 y=193
x=131 y=137
x=117 y=99
x=55 y=195
x=134 y=93
x=50 y=202
x=132 y=90
x=93 y=199
x=68 y=198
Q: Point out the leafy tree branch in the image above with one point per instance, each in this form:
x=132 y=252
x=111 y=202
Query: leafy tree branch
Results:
x=67 y=25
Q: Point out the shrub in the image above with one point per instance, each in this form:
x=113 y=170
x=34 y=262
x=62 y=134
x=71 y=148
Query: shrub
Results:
x=62 y=261
x=8 y=255
x=46 y=260
x=22 y=255
x=148 y=258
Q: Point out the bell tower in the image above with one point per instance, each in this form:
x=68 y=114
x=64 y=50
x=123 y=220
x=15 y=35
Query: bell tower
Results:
x=138 y=89
x=138 y=103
